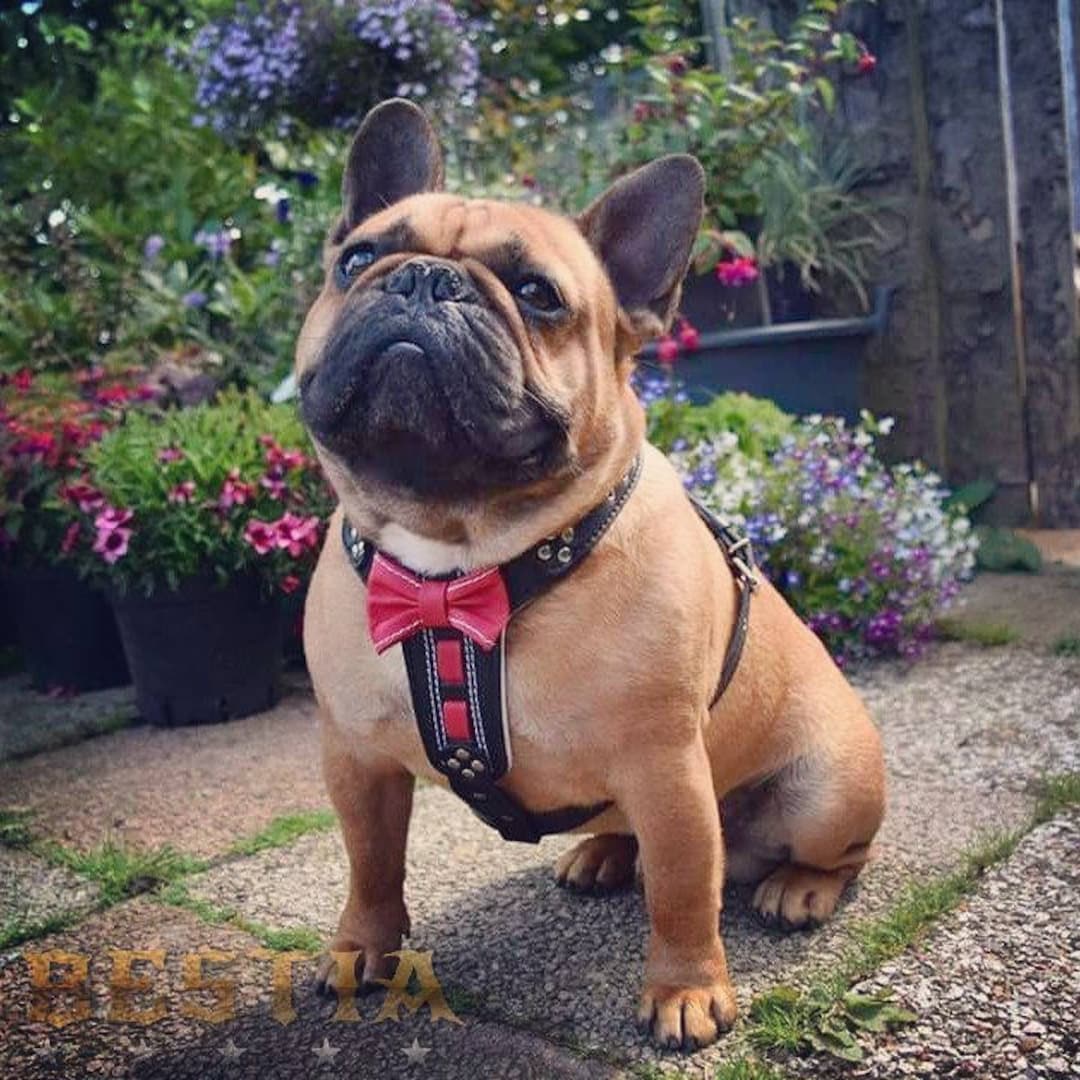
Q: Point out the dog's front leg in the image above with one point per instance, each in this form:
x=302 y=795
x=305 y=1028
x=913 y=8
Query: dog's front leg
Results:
x=668 y=796
x=373 y=799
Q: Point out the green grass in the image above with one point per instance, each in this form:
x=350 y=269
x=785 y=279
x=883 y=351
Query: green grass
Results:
x=122 y=872
x=747 y=1069
x=293 y=939
x=284 y=830
x=987 y=634
x=18 y=929
x=15 y=827
x=1067 y=645
x=826 y=1016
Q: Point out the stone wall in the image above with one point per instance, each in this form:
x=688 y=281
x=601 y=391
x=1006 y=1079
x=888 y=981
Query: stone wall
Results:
x=956 y=365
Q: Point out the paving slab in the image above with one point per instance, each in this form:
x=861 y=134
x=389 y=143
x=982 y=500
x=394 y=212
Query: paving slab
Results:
x=1042 y=608
x=196 y=788
x=31 y=722
x=1056 y=545
x=967 y=731
x=32 y=890
x=995 y=983
x=246 y=1040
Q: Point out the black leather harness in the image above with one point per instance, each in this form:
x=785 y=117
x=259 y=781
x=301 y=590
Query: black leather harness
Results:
x=458 y=689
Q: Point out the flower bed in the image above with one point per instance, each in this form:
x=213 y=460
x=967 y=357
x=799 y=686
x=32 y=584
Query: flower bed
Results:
x=869 y=555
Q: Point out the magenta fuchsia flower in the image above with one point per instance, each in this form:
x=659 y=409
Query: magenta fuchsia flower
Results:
x=688 y=337
x=276 y=457
x=261 y=535
x=866 y=63
x=289 y=584
x=182 y=493
x=170 y=454
x=738 y=271
x=667 y=350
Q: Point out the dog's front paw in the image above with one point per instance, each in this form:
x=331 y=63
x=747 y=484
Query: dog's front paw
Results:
x=598 y=864
x=358 y=955
x=686 y=1017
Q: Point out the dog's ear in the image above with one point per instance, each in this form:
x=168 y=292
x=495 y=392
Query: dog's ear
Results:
x=394 y=154
x=643 y=229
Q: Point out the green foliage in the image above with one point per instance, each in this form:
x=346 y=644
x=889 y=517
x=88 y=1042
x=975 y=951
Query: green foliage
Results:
x=758 y=424
x=122 y=872
x=292 y=939
x=1067 y=645
x=17 y=929
x=808 y=219
x=987 y=634
x=971 y=496
x=1002 y=550
x=285 y=829
x=747 y=1069
x=174 y=474
x=15 y=827
x=1057 y=793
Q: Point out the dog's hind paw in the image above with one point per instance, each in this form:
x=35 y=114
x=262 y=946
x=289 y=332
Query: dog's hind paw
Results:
x=598 y=864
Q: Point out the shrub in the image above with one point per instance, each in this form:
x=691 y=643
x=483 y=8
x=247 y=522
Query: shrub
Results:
x=325 y=63
x=212 y=491
x=866 y=554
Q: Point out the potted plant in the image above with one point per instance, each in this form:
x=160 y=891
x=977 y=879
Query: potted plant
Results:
x=782 y=223
x=65 y=629
x=198 y=522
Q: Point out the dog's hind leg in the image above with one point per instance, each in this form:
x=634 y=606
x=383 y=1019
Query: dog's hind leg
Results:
x=598 y=864
x=811 y=828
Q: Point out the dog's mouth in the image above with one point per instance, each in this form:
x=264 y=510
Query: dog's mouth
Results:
x=433 y=402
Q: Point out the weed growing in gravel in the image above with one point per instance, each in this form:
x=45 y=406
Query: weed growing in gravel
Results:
x=284 y=830
x=19 y=929
x=122 y=872
x=15 y=827
x=747 y=1069
x=1067 y=645
x=987 y=634
x=827 y=1016
x=293 y=939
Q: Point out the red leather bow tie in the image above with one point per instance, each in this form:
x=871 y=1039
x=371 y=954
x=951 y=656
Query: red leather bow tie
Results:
x=399 y=604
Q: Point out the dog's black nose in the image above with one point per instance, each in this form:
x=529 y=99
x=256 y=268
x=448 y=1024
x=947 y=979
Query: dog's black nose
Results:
x=426 y=282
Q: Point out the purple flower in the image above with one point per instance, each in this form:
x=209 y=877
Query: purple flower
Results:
x=282 y=210
x=152 y=247
x=216 y=242
x=195 y=299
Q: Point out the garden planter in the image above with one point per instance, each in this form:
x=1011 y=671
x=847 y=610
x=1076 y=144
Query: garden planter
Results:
x=202 y=654
x=65 y=630
x=805 y=367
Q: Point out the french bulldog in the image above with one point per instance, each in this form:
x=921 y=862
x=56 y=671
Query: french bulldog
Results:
x=465 y=376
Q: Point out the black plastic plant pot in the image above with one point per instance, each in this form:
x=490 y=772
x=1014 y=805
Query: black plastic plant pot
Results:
x=204 y=653
x=65 y=630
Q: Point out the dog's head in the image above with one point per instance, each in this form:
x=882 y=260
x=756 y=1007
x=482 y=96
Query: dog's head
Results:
x=465 y=349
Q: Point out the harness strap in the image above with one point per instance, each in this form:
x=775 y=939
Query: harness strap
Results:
x=457 y=687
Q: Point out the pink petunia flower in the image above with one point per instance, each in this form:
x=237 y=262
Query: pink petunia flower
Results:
x=689 y=338
x=234 y=492
x=71 y=537
x=182 y=493
x=274 y=482
x=261 y=535
x=85 y=496
x=277 y=458
x=111 y=518
x=289 y=584
x=112 y=544
x=170 y=453
x=295 y=534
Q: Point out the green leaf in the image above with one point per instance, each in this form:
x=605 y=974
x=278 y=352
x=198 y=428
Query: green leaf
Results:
x=827 y=92
x=971 y=496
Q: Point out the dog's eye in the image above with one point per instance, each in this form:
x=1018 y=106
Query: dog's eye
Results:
x=354 y=262
x=538 y=294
